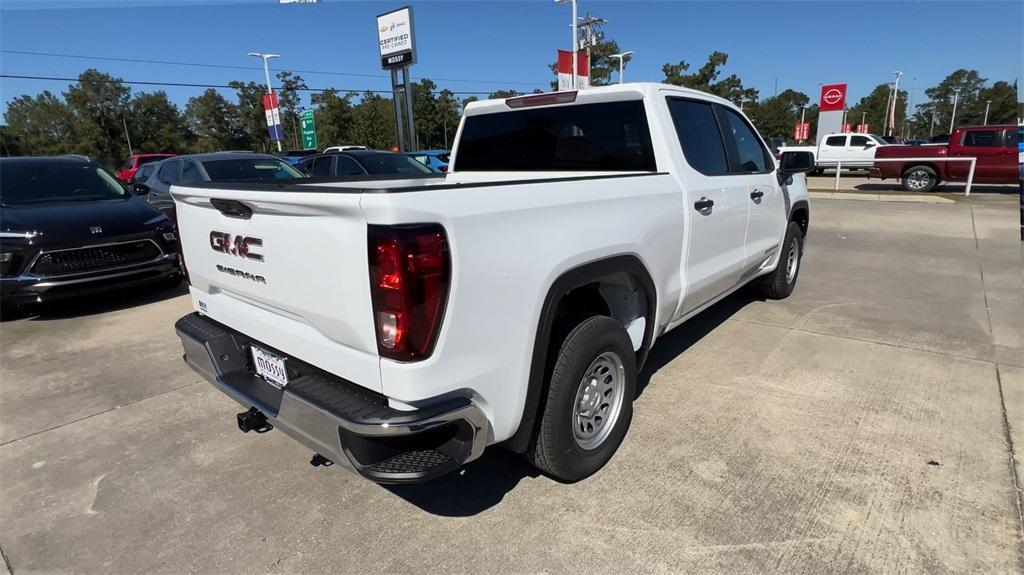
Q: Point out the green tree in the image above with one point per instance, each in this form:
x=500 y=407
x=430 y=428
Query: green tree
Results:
x=373 y=122
x=1002 y=110
x=215 y=123
x=333 y=117
x=706 y=79
x=938 y=104
x=39 y=126
x=252 y=118
x=502 y=94
x=873 y=109
x=290 y=101
x=99 y=102
x=156 y=125
x=776 y=116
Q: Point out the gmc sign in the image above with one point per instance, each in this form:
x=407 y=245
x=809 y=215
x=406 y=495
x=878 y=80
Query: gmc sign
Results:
x=241 y=246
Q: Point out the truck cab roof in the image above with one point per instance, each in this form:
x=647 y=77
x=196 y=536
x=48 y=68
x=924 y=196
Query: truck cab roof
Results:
x=612 y=93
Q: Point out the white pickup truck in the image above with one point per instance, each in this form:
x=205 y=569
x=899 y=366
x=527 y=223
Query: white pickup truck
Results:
x=399 y=326
x=853 y=150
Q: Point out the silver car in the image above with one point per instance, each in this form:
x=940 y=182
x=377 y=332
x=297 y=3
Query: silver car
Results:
x=214 y=167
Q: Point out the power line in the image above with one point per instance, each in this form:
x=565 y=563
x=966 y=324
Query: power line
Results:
x=190 y=85
x=236 y=67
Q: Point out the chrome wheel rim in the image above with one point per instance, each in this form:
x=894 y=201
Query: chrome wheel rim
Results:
x=918 y=179
x=598 y=400
x=792 y=260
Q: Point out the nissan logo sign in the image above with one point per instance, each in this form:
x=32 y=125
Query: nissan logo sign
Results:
x=832 y=97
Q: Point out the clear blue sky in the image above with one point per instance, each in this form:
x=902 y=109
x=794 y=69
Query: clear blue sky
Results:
x=481 y=46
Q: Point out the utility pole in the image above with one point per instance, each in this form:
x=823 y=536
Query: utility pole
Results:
x=574 y=38
x=952 y=120
x=588 y=23
x=885 y=117
x=129 y=138
x=266 y=74
x=895 y=96
x=863 y=117
x=988 y=103
x=931 y=128
x=621 y=57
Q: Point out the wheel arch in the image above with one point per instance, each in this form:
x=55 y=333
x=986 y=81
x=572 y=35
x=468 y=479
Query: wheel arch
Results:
x=801 y=214
x=574 y=281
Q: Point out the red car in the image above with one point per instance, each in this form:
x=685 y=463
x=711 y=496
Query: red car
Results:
x=133 y=162
x=995 y=148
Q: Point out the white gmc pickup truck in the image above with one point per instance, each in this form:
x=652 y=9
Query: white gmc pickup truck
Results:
x=399 y=326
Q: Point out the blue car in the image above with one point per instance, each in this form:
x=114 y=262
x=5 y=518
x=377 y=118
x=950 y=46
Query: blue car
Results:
x=293 y=157
x=436 y=160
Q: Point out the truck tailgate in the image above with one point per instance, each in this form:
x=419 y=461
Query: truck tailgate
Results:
x=293 y=274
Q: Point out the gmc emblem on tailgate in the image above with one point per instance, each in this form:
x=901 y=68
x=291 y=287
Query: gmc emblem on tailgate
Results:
x=241 y=246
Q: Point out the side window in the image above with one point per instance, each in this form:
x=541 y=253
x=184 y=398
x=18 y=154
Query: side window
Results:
x=749 y=155
x=699 y=136
x=348 y=167
x=169 y=172
x=858 y=141
x=190 y=173
x=1012 y=139
x=980 y=138
x=321 y=166
x=835 y=141
x=128 y=164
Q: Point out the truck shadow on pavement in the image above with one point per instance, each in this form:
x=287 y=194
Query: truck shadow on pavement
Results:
x=483 y=483
x=94 y=304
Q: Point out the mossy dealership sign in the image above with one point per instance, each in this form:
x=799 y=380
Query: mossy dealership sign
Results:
x=397 y=43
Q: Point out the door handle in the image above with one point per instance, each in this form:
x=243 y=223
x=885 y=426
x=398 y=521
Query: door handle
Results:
x=756 y=195
x=703 y=205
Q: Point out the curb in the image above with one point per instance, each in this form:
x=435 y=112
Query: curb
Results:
x=817 y=195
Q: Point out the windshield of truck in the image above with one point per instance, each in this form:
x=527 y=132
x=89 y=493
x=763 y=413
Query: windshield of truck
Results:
x=37 y=183
x=610 y=136
x=249 y=169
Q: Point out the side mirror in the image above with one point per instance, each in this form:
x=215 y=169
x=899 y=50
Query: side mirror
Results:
x=794 y=163
x=140 y=189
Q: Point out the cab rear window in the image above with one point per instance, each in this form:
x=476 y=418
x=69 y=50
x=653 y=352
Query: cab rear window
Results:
x=612 y=136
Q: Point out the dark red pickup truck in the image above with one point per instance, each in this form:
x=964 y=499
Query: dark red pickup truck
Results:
x=995 y=148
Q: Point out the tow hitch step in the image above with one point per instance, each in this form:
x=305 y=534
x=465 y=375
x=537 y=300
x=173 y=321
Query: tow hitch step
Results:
x=253 y=420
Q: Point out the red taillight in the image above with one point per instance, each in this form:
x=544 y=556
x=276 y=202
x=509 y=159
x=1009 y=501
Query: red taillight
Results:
x=410 y=272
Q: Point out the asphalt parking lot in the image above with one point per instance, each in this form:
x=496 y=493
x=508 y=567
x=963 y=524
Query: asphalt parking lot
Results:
x=869 y=423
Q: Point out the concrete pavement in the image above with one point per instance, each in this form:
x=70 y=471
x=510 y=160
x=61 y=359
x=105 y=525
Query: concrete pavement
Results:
x=862 y=425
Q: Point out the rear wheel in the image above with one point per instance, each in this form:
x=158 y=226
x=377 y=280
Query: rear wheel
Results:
x=920 y=179
x=589 y=403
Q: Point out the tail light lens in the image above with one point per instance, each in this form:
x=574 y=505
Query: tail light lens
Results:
x=410 y=273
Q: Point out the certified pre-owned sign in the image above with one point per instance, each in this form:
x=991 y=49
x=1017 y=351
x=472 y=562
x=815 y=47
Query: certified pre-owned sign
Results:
x=395 y=34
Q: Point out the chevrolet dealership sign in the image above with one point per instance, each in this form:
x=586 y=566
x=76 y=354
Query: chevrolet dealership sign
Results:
x=395 y=35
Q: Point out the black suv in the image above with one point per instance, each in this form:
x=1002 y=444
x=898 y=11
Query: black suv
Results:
x=68 y=227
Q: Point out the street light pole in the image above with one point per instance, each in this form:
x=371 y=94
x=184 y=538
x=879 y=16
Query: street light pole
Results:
x=575 y=41
x=952 y=120
x=266 y=75
x=895 y=96
x=988 y=103
x=621 y=58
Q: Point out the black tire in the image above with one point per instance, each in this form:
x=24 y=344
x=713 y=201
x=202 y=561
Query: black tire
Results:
x=556 y=450
x=780 y=283
x=919 y=179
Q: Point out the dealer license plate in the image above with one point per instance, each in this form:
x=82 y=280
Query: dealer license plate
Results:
x=270 y=367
